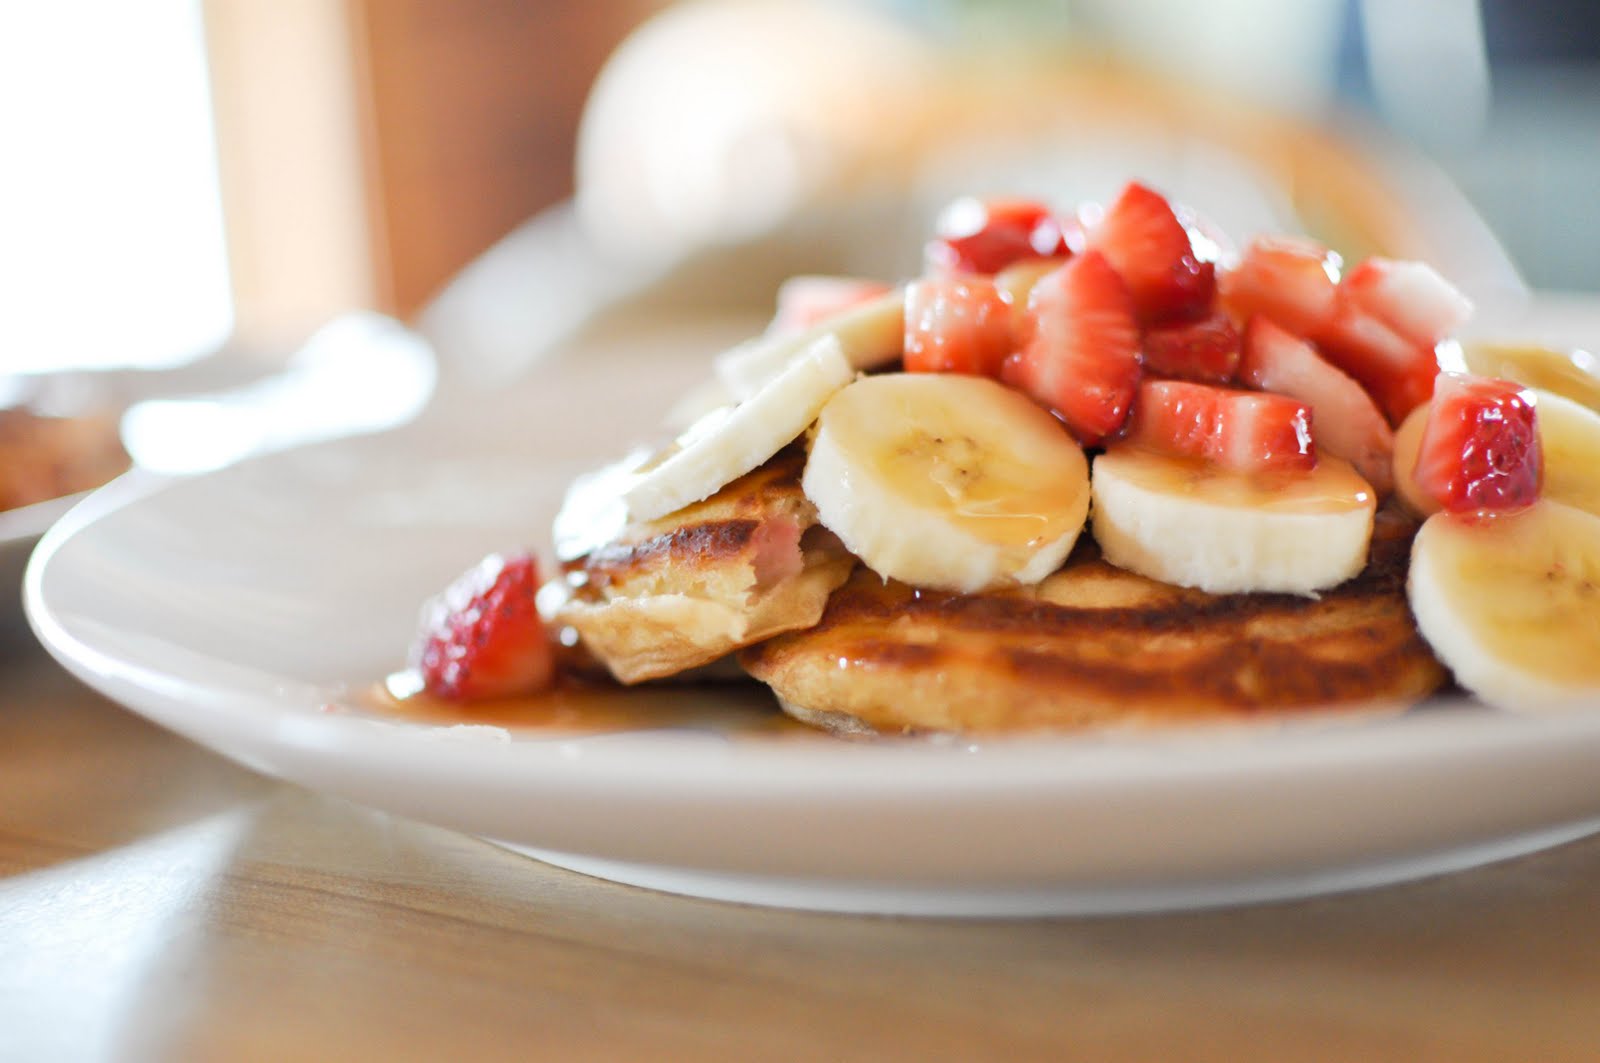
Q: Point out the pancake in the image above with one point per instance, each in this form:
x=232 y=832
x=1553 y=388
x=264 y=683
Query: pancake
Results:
x=1094 y=646
x=661 y=597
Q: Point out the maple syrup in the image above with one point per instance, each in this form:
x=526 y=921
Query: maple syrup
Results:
x=1332 y=486
x=574 y=708
x=1036 y=495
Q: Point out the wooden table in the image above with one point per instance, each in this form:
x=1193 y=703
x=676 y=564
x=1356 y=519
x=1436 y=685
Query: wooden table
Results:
x=158 y=903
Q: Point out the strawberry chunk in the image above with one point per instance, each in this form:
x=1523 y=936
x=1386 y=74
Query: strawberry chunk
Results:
x=1150 y=249
x=1289 y=280
x=1241 y=430
x=805 y=301
x=1349 y=426
x=483 y=637
x=1206 y=351
x=1396 y=372
x=957 y=325
x=1480 y=446
x=1080 y=347
x=986 y=236
x=1411 y=298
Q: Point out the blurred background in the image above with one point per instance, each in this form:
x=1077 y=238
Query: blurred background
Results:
x=189 y=175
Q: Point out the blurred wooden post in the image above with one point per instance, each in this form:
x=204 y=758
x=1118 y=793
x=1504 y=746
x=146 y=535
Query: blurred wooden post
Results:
x=291 y=165
x=371 y=148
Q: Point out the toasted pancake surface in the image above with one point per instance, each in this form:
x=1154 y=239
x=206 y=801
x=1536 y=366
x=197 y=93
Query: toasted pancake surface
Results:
x=664 y=596
x=1094 y=645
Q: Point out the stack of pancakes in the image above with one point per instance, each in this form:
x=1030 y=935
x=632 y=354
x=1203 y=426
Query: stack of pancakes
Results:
x=750 y=575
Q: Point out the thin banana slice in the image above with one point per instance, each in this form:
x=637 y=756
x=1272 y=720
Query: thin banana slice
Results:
x=946 y=481
x=1569 y=437
x=1511 y=604
x=870 y=336
x=728 y=442
x=1198 y=525
x=1573 y=374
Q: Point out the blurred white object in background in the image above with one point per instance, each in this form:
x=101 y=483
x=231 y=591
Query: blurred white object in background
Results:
x=361 y=373
x=1430 y=69
x=113 y=250
x=725 y=120
x=1260 y=49
x=716 y=118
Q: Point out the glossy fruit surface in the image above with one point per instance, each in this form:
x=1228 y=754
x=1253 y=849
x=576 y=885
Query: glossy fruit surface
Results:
x=1480 y=447
x=1292 y=281
x=1205 y=351
x=1242 y=430
x=483 y=637
x=1150 y=249
x=986 y=236
x=1079 y=351
x=957 y=325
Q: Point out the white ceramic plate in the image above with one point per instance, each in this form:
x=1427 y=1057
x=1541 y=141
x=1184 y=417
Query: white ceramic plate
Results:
x=20 y=530
x=251 y=608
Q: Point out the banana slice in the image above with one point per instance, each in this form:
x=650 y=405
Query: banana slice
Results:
x=1016 y=281
x=728 y=442
x=1571 y=374
x=1569 y=436
x=870 y=336
x=1198 y=525
x=1512 y=603
x=1407 y=442
x=946 y=481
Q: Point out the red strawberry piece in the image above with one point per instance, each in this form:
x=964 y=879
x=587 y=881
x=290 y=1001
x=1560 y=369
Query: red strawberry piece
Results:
x=1150 y=248
x=1480 y=446
x=1396 y=372
x=1206 y=237
x=1080 y=347
x=483 y=637
x=957 y=325
x=1411 y=298
x=1349 y=426
x=986 y=236
x=805 y=301
x=1206 y=351
x=1291 y=281
x=1242 y=430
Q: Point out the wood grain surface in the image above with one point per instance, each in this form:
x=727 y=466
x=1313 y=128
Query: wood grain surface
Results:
x=157 y=903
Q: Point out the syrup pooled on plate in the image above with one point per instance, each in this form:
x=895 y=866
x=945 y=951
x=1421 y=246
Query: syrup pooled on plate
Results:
x=576 y=708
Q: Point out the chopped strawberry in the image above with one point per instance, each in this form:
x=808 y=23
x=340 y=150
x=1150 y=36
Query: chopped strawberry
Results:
x=1242 y=430
x=805 y=301
x=1291 y=281
x=1396 y=372
x=1206 y=351
x=1080 y=347
x=1480 y=446
x=1409 y=297
x=483 y=637
x=986 y=236
x=957 y=325
x=1349 y=426
x=1206 y=237
x=1149 y=247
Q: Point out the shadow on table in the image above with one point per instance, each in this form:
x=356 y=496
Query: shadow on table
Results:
x=81 y=777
